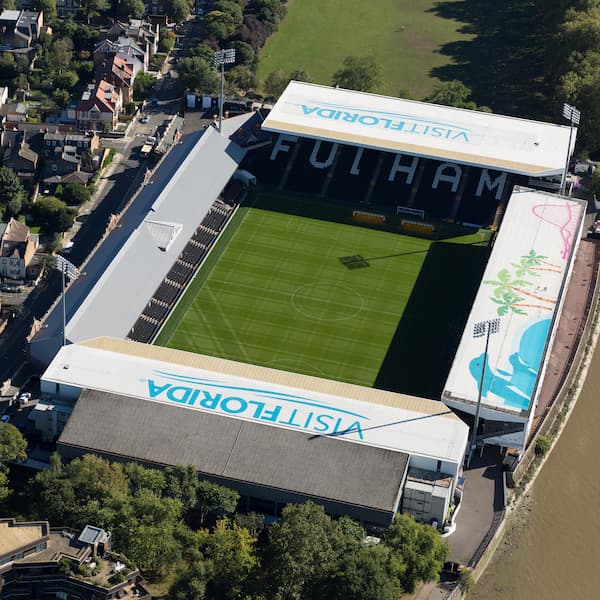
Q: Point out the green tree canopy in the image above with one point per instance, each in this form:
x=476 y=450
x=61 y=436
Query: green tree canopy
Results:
x=10 y=192
x=219 y=24
x=231 y=551
x=191 y=583
x=196 y=74
x=48 y=6
x=131 y=8
x=142 y=85
x=93 y=8
x=303 y=551
x=452 y=93
x=358 y=73
x=216 y=499
x=275 y=83
x=420 y=548
x=75 y=194
x=61 y=54
x=178 y=10
x=12 y=445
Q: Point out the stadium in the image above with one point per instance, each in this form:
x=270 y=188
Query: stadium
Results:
x=289 y=305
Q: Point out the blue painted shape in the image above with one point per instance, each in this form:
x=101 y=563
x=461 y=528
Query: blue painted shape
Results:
x=515 y=387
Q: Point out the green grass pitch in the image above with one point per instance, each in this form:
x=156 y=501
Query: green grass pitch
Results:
x=276 y=292
x=403 y=36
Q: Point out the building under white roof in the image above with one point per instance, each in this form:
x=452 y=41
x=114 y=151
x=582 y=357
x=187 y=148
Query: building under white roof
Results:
x=524 y=287
x=145 y=390
x=458 y=135
x=135 y=257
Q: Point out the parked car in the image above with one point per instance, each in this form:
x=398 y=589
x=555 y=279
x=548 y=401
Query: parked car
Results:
x=145 y=119
x=5 y=418
x=24 y=397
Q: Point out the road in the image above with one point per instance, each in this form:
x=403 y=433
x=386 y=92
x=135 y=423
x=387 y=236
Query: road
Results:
x=113 y=193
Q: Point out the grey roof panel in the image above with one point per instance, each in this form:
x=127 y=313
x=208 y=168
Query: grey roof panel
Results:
x=310 y=465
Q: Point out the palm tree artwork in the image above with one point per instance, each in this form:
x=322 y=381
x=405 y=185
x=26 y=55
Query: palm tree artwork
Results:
x=511 y=293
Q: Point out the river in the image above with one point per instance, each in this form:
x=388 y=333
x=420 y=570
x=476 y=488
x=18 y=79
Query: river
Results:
x=552 y=549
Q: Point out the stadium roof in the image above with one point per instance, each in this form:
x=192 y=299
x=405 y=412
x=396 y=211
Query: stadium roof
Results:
x=193 y=382
x=405 y=126
x=523 y=287
x=134 y=259
x=314 y=466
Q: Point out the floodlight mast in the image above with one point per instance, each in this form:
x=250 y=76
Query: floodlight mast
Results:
x=480 y=329
x=67 y=269
x=223 y=57
x=574 y=116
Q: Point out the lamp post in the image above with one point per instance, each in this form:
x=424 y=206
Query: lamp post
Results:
x=574 y=116
x=67 y=269
x=480 y=329
x=223 y=57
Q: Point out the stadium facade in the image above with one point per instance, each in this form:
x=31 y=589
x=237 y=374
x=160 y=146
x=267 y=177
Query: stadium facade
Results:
x=273 y=435
x=388 y=452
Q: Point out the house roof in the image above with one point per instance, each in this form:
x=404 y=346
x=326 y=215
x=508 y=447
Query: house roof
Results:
x=104 y=97
x=16 y=232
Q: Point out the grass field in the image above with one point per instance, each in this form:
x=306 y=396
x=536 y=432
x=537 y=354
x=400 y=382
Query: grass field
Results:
x=403 y=36
x=276 y=292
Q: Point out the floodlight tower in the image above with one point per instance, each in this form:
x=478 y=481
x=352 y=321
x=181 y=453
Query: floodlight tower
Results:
x=223 y=57
x=67 y=269
x=574 y=116
x=480 y=329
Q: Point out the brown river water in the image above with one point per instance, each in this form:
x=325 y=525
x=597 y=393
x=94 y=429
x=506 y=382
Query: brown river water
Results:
x=552 y=547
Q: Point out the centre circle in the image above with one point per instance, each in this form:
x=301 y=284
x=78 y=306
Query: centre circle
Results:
x=326 y=301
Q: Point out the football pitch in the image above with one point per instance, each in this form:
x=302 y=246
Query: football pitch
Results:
x=310 y=296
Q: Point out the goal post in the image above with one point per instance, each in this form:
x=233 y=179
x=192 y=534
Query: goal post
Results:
x=406 y=210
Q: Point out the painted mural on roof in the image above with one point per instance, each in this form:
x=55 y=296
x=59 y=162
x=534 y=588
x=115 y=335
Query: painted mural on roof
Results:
x=521 y=288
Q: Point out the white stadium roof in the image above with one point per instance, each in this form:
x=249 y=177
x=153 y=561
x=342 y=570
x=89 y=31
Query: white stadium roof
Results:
x=522 y=286
x=440 y=132
x=261 y=395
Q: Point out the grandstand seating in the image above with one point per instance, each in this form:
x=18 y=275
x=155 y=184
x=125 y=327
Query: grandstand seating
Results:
x=182 y=271
x=371 y=184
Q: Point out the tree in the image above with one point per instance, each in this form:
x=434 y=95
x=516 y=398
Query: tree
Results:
x=216 y=499
x=10 y=191
x=302 y=552
x=61 y=97
x=12 y=445
x=53 y=214
x=231 y=8
x=8 y=67
x=420 y=548
x=131 y=8
x=75 y=194
x=143 y=84
x=244 y=54
x=182 y=483
x=275 y=83
x=47 y=6
x=219 y=24
x=300 y=75
x=191 y=584
x=242 y=78
x=452 y=93
x=197 y=74
x=358 y=73
x=67 y=80
x=166 y=44
x=231 y=551
x=178 y=10
x=61 y=54
x=371 y=573
x=92 y=8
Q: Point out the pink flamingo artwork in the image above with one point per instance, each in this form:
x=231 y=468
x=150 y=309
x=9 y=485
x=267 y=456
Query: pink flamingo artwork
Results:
x=565 y=217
